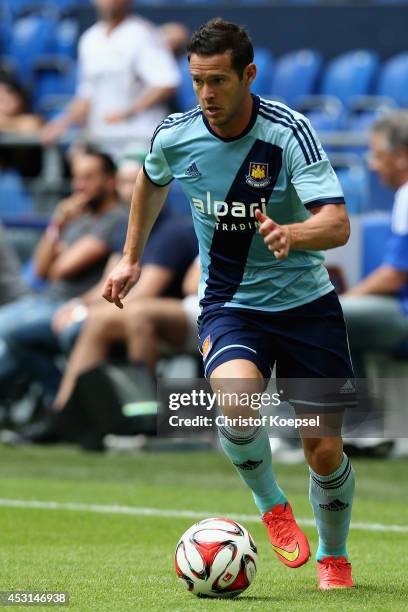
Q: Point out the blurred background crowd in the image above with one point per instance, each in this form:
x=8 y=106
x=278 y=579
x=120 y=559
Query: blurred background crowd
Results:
x=83 y=84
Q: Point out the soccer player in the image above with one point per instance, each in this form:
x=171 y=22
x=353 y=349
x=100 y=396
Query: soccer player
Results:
x=264 y=200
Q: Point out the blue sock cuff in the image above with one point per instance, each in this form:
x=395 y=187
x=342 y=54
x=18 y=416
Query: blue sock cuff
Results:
x=240 y=437
x=334 y=480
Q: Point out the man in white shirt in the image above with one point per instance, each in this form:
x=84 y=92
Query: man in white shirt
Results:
x=376 y=310
x=126 y=75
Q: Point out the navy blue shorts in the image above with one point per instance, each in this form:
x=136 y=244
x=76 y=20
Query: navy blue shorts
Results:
x=306 y=342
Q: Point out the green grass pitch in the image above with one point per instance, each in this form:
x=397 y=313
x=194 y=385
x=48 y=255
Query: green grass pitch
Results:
x=119 y=562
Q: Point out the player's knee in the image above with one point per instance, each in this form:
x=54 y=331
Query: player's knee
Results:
x=322 y=454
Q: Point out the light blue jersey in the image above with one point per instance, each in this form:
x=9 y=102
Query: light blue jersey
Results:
x=277 y=165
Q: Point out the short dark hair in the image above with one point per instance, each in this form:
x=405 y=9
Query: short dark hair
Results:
x=108 y=165
x=218 y=36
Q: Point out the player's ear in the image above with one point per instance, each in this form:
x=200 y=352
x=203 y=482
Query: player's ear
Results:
x=249 y=74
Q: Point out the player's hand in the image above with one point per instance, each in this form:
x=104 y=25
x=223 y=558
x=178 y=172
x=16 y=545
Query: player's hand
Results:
x=276 y=237
x=120 y=281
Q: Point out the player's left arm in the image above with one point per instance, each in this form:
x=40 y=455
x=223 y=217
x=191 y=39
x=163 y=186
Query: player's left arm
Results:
x=318 y=188
x=327 y=228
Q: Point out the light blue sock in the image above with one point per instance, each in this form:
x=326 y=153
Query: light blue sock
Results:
x=250 y=452
x=332 y=498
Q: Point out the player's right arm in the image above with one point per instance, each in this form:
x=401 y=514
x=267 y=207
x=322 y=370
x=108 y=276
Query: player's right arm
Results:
x=147 y=202
x=151 y=188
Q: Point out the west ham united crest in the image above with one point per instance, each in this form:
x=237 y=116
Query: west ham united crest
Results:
x=258 y=176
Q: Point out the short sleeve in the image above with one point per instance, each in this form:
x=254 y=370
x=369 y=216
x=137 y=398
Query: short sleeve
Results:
x=111 y=228
x=154 y=63
x=309 y=169
x=155 y=165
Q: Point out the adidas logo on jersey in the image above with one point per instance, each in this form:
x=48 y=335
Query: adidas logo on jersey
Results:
x=193 y=171
x=348 y=387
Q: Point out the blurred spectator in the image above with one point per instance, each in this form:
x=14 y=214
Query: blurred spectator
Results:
x=11 y=284
x=70 y=317
x=71 y=256
x=126 y=74
x=169 y=255
x=176 y=36
x=147 y=318
x=150 y=322
x=15 y=115
x=376 y=310
x=16 y=118
x=145 y=324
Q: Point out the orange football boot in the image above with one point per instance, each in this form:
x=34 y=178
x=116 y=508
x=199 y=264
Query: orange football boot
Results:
x=334 y=573
x=288 y=540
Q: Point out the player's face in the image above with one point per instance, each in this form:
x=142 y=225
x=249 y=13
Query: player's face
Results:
x=89 y=178
x=222 y=94
x=383 y=161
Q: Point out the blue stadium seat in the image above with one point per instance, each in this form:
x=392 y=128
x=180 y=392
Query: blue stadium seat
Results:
x=5 y=28
x=375 y=232
x=327 y=115
x=18 y=6
x=353 y=180
x=185 y=96
x=31 y=37
x=264 y=63
x=14 y=199
x=349 y=75
x=295 y=75
x=393 y=79
x=379 y=197
x=67 y=34
x=53 y=76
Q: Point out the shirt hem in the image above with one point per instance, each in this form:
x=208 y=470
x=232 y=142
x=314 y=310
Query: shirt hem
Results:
x=310 y=298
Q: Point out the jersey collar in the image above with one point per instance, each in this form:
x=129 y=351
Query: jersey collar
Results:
x=254 y=115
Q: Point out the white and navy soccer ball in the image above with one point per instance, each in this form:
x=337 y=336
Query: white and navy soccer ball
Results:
x=216 y=557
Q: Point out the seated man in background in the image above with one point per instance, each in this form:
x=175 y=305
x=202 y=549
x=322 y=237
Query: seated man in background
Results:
x=376 y=310
x=170 y=253
x=69 y=318
x=71 y=256
x=11 y=284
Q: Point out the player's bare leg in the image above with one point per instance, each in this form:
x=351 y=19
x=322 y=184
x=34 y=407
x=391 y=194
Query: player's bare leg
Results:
x=249 y=450
x=331 y=495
